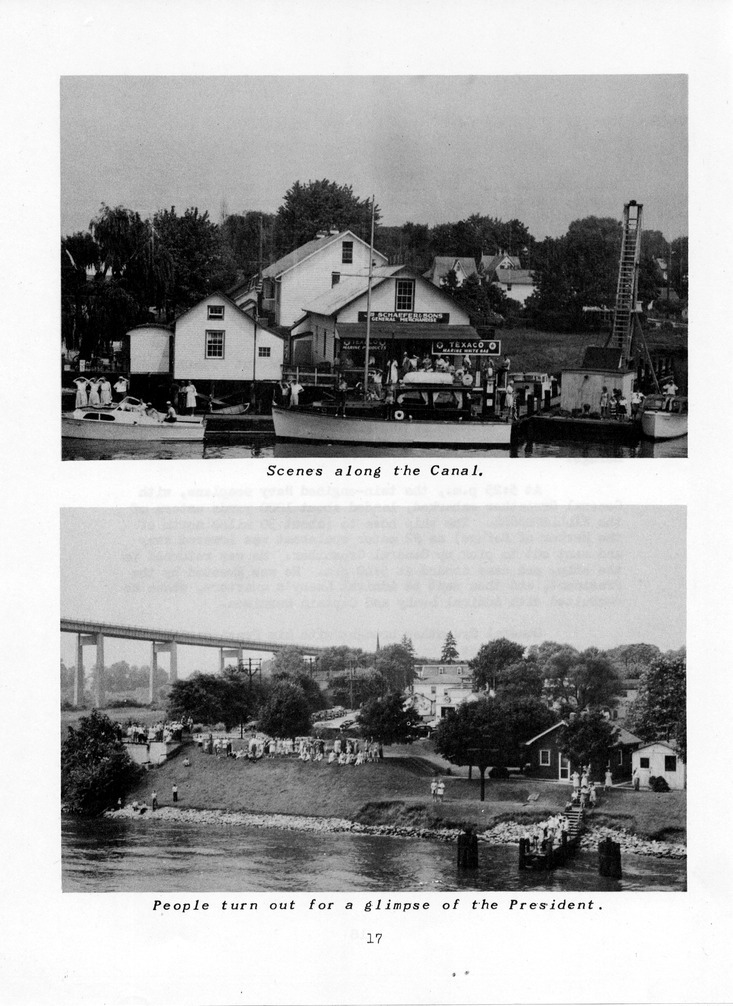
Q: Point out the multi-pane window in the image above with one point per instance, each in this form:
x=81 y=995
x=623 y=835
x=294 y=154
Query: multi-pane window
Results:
x=404 y=295
x=263 y=350
x=215 y=311
x=544 y=756
x=214 y=344
x=347 y=251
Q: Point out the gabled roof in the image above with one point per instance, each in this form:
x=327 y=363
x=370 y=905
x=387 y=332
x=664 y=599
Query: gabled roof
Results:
x=624 y=737
x=236 y=307
x=562 y=723
x=517 y=277
x=667 y=744
x=348 y=289
x=490 y=262
x=293 y=258
x=442 y=265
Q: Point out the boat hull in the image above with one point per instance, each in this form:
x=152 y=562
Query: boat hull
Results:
x=302 y=424
x=179 y=432
x=663 y=425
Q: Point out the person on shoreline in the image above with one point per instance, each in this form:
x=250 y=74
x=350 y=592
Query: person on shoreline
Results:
x=154 y=799
x=434 y=789
x=635 y=781
x=441 y=790
x=608 y=780
x=175 y=793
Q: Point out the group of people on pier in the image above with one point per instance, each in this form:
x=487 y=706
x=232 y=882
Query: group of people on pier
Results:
x=551 y=831
x=98 y=391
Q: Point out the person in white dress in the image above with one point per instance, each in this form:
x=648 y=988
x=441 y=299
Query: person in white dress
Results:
x=190 y=397
x=82 y=387
x=94 y=393
x=105 y=392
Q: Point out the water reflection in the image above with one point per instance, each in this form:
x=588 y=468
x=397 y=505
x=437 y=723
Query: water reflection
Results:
x=265 y=446
x=169 y=856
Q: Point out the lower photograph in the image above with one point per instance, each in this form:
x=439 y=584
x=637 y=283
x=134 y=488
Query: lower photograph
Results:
x=381 y=699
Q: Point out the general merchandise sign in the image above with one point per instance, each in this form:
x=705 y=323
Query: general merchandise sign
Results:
x=407 y=317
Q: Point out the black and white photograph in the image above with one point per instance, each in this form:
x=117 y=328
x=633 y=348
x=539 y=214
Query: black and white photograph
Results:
x=336 y=699
x=374 y=265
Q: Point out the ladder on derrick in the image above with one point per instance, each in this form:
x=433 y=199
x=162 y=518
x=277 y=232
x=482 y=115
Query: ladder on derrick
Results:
x=628 y=271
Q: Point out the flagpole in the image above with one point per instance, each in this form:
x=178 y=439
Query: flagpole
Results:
x=369 y=308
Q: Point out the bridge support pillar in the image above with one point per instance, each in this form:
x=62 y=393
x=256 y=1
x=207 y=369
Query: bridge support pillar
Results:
x=173 y=675
x=99 y=697
x=170 y=648
x=79 y=674
x=153 y=670
x=227 y=653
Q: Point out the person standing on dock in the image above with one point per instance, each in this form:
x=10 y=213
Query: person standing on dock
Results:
x=190 y=390
x=105 y=392
x=154 y=799
x=295 y=389
x=605 y=402
x=509 y=402
x=94 y=392
x=175 y=793
x=636 y=402
x=120 y=388
x=82 y=392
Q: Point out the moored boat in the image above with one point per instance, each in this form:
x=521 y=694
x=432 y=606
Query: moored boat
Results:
x=664 y=417
x=423 y=414
x=129 y=420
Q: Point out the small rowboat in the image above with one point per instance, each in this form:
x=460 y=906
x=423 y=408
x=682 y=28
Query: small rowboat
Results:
x=129 y=420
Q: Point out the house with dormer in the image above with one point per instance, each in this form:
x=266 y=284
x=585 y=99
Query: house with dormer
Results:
x=307 y=272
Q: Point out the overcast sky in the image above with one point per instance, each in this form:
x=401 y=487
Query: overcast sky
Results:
x=587 y=576
x=546 y=150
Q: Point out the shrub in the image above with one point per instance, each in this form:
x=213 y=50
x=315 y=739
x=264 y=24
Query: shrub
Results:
x=658 y=784
x=499 y=772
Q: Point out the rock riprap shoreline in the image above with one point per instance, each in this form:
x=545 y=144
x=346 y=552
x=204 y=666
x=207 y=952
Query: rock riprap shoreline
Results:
x=504 y=833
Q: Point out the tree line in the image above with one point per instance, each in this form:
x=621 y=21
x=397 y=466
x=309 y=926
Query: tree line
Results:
x=153 y=269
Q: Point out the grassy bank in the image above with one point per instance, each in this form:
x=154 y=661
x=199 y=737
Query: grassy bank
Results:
x=390 y=793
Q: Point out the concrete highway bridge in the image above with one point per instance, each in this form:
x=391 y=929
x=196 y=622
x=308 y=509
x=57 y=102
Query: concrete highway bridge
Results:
x=161 y=641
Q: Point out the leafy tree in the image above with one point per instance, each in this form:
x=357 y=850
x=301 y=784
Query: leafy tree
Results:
x=518 y=719
x=363 y=687
x=240 y=697
x=386 y=720
x=241 y=235
x=285 y=712
x=587 y=739
x=406 y=643
x=201 y=696
x=96 y=769
x=289 y=660
x=580 y=680
x=660 y=711
x=632 y=659
x=396 y=665
x=309 y=686
x=471 y=735
x=491 y=659
x=521 y=679
x=321 y=205
x=449 y=652
x=337 y=658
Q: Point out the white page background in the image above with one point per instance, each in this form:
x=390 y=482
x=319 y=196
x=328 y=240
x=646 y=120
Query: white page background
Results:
x=111 y=948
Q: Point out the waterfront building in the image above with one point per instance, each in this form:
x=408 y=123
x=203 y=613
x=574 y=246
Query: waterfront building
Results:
x=307 y=272
x=408 y=315
x=544 y=758
x=660 y=758
x=582 y=386
x=222 y=346
x=148 y=349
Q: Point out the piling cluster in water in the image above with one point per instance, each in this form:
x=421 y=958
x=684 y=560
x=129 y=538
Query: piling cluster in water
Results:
x=505 y=833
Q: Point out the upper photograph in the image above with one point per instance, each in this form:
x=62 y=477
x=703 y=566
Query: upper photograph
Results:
x=374 y=266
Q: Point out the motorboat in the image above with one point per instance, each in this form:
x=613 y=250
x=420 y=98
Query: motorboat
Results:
x=664 y=417
x=129 y=419
x=419 y=414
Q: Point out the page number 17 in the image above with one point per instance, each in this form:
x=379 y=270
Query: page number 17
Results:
x=377 y=937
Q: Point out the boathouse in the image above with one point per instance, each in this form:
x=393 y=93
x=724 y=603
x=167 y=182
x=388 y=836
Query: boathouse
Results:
x=544 y=758
x=408 y=315
x=223 y=347
x=660 y=758
x=582 y=386
x=307 y=272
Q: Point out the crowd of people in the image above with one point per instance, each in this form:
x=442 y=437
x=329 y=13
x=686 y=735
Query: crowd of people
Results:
x=551 y=831
x=347 y=751
x=98 y=391
x=166 y=731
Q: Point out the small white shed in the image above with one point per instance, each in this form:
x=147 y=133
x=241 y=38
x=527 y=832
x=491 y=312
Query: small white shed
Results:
x=659 y=758
x=150 y=349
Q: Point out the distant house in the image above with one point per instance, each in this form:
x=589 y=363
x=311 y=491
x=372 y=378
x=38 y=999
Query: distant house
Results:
x=490 y=263
x=443 y=264
x=517 y=284
x=216 y=341
x=438 y=689
x=305 y=273
x=660 y=758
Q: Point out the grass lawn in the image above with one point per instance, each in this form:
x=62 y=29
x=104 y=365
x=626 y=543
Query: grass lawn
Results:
x=390 y=793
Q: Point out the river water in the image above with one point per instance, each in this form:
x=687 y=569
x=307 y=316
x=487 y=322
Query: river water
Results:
x=166 y=856
x=264 y=445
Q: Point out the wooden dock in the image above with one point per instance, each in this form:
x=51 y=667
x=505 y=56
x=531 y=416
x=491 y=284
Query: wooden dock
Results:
x=552 y=855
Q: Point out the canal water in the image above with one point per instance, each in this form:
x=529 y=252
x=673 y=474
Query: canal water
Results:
x=167 y=856
x=266 y=446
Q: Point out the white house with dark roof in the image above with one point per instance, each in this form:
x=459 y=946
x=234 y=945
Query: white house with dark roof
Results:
x=307 y=272
x=517 y=284
x=443 y=264
x=660 y=758
x=490 y=263
x=408 y=314
x=217 y=341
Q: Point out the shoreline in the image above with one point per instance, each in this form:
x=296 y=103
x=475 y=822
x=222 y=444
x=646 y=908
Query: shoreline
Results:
x=504 y=833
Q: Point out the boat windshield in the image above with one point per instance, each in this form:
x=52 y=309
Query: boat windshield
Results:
x=655 y=403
